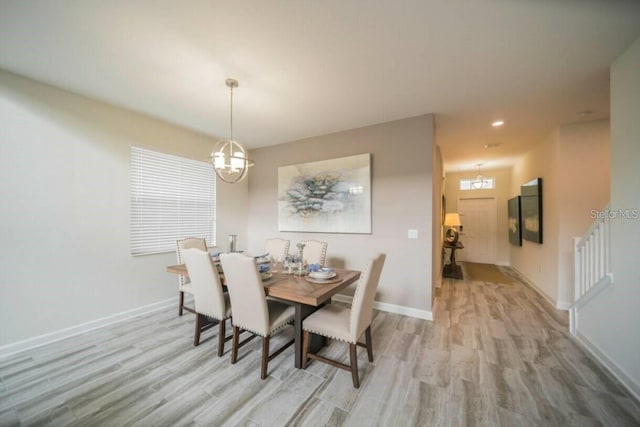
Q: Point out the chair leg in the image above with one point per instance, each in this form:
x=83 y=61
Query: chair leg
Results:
x=305 y=348
x=234 y=344
x=353 y=354
x=221 y=336
x=196 y=335
x=367 y=337
x=181 y=303
x=265 y=357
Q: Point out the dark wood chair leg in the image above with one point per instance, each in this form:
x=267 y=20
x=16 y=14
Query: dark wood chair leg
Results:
x=367 y=337
x=234 y=345
x=181 y=303
x=305 y=348
x=221 y=336
x=265 y=357
x=196 y=335
x=353 y=355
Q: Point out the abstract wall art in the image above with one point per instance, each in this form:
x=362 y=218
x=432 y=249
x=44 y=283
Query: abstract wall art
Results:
x=531 y=210
x=515 y=230
x=327 y=196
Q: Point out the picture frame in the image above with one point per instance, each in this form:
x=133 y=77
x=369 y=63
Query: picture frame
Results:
x=326 y=196
x=515 y=228
x=531 y=210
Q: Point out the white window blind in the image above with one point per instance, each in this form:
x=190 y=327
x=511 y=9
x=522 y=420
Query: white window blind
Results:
x=171 y=198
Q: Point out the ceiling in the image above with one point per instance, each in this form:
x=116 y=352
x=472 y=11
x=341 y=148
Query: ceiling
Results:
x=309 y=68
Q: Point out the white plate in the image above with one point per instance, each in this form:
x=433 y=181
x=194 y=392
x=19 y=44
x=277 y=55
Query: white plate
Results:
x=266 y=276
x=320 y=275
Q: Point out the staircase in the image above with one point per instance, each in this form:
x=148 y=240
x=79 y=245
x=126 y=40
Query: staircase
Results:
x=592 y=264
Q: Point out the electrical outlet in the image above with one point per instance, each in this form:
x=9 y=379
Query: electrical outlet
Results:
x=412 y=234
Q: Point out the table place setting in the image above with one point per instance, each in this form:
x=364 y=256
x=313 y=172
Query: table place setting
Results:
x=265 y=272
x=319 y=274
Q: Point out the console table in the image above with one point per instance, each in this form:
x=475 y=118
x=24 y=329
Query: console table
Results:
x=453 y=270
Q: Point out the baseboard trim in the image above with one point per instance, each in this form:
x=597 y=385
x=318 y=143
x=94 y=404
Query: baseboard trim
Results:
x=28 y=344
x=602 y=284
x=559 y=305
x=632 y=387
x=391 y=308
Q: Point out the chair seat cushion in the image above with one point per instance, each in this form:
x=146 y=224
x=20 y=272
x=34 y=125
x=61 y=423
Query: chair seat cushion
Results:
x=280 y=315
x=330 y=321
x=228 y=312
x=187 y=287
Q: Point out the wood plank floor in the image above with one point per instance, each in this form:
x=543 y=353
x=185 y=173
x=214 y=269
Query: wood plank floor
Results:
x=494 y=354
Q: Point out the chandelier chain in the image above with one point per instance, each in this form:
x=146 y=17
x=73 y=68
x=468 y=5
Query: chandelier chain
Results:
x=231 y=113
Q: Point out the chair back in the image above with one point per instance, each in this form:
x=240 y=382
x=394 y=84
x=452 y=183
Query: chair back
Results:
x=277 y=248
x=208 y=296
x=249 y=302
x=315 y=252
x=187 y=243
x=362 y=304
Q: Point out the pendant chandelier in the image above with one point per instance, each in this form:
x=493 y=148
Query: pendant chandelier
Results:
x=229 y=158
x=479 y=182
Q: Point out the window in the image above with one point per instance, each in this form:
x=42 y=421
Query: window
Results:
x=467 y=184
x=171 y=198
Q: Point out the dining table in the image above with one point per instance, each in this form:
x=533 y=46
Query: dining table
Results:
x=301 y=291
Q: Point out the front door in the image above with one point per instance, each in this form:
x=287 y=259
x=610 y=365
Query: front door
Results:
x=478 y=218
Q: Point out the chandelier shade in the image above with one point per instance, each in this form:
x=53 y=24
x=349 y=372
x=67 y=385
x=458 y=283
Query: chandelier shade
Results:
x=479 y=182
x=229 y=158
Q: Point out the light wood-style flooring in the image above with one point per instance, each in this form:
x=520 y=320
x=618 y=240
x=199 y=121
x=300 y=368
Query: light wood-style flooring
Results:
x=495 y=354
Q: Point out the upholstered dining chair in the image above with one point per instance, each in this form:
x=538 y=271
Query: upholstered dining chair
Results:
x=277 y=248
x=315 y=252
x=209 y=299
x=347 y=324
x=184 y=284
x=252 y=311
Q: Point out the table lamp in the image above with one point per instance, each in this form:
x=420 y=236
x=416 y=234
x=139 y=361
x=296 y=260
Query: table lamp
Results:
x=452 y=220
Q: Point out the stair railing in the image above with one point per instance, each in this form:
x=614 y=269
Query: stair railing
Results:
x=592 y=263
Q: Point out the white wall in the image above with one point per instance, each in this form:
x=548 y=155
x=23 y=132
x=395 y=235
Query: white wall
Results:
x=401 y=163
x=609 y=322
x=64 y=209
x=539 y=262
x=573 y=162
x=501 y=194
x=584 y=166
x=437 y=231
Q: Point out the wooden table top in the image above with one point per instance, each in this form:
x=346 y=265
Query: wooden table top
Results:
x=294 y=288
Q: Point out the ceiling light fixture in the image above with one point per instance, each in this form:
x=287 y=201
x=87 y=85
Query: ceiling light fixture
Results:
x=497 y=123
x=229 y=158
x=479 y=182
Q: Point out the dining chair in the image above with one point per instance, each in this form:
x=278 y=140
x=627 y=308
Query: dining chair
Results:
x=315 y=252
x=208 y=297
x=252 y=311
x=277 y=248
x=346 y=324
x=184 y=284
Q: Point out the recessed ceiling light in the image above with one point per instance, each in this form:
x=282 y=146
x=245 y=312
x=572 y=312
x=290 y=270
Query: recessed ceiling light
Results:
x=494 y=145
x=497 y=123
